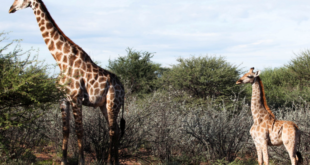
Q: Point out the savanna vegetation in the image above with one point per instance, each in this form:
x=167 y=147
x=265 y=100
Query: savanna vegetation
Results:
x=189 y=113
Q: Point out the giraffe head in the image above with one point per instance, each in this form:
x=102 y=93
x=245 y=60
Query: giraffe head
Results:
x=20 y=4
x=248 y=77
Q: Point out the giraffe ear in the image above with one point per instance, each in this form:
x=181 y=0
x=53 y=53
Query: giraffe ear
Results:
x=257 y=74
x=251 y=70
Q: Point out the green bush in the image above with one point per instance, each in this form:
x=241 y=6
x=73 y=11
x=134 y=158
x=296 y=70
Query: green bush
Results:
x=202 y=78
x=300 y=67
x=26 y=90
x=136 y=70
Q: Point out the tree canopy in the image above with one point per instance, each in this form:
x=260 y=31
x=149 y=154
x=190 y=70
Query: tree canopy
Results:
x=24 y=84
x=136 y=71
x=203 y=77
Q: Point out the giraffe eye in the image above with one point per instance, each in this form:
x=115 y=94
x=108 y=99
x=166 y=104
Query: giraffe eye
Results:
x=250 y=76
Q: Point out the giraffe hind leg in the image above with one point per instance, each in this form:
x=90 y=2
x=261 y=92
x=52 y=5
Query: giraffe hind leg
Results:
x=77 y=113
x=114 y=142
x=114 y=135
x=65 y=113
x=289 y=141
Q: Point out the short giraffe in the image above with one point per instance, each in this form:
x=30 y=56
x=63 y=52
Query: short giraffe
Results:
x=267 y=130
x=85 y=83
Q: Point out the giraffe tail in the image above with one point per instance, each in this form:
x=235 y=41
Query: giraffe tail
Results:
x=299 y=158
x=122 y=122
x=298 y=154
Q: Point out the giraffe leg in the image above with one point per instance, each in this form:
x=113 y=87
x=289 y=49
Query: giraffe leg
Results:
x=114 y=134
x=77 y=113
x=65 y=113
x=259 y=154
x=290 y=145
x=105 y=114
x=264 y=148
x=114 y=140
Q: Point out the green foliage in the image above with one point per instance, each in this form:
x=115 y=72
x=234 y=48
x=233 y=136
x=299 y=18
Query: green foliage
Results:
x=24 y=83
x=136 y=70
x=300 y=66
x=203 y=77
x=25 y=90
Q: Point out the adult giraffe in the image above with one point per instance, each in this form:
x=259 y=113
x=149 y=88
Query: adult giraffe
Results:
x=85 y=83
x=267 y=130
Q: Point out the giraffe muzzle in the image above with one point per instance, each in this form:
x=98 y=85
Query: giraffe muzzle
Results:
x=12 y=9
x=239 y=82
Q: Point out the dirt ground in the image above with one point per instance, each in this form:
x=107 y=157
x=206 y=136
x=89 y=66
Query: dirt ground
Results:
x=48 y=154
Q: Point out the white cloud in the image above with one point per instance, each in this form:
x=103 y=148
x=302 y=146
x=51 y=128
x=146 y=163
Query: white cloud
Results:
x=256 y=33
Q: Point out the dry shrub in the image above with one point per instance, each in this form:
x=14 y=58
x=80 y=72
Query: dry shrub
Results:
x=159 y=129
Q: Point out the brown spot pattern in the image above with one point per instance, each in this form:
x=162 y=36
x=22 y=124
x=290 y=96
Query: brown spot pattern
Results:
x=66 y=48
x=77 y=63
x=58 y=56
x=92 y=82
x=84 y=66
x=59 y=45
x=51 y=47
x=89 y=67
x=56 y=36
x=71 y=60
x=45 y=35
x=65 y=59
x=53 y=32
x=96 y=84
x=47 y=41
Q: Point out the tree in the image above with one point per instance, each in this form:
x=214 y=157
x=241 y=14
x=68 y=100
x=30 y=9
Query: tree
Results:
x=203 y=77
x=136 y=70
x=300 y=66
x=25 y=90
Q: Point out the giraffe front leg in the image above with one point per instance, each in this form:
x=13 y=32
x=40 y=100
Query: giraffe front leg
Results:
x=264 y=148
x=259 y=153
x=65 y=113
x=77 y=113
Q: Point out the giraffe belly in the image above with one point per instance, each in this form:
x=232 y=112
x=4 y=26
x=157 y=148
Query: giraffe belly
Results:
x=275 y=138
x=275 y=142
x=94 y=101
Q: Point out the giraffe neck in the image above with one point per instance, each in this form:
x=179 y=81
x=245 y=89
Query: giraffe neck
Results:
x=259 y=105
x=63 y=49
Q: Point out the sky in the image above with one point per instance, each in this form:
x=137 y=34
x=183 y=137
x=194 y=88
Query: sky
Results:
x=255 y=33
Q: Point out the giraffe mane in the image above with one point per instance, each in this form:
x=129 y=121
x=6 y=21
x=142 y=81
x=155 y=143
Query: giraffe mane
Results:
x=263 y=97
x=63 y=34
x=57 y=27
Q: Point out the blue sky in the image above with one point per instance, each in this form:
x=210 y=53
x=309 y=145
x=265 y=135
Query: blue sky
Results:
x=257 y=33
